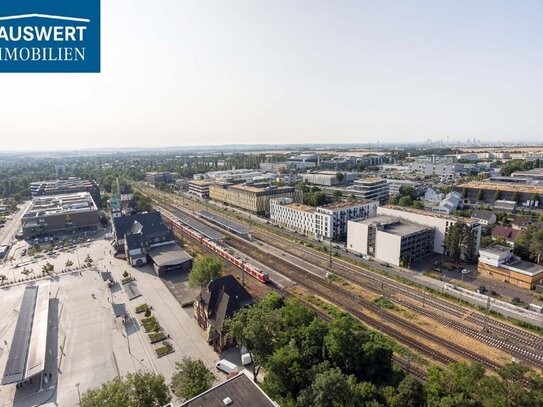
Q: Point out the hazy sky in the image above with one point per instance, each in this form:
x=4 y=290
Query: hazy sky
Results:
x=221 y=72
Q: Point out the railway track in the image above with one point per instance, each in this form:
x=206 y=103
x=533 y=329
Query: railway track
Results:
x=374 y=282
x=355 y=305
x=518 y=343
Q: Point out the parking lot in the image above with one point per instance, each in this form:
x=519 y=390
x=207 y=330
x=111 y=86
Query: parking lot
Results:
x=93 y=345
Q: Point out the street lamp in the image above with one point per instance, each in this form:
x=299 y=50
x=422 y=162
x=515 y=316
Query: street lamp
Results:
x=78 y=392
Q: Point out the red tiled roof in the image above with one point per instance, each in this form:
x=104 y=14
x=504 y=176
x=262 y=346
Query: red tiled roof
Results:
x=502 y=231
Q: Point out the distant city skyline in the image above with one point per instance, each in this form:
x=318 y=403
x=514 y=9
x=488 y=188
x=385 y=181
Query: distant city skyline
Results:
x=245 y=72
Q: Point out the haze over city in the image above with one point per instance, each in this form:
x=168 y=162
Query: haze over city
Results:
x=207 y=73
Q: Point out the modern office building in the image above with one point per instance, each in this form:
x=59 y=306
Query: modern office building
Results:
x=535 y=174
x=49 y=216
x=158 y=177
x=499 y=263
x=328 y=178
x=65 y=186
x=331 y=220
x=439 y=222
x=252 y=198
x=375 y=189
x=200 y=187
x=452 y=201
x=394 y=240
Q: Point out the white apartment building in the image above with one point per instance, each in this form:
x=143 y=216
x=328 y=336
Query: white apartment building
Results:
x=323 y=222
x=439 y=222
x=300 y=218
x=331 y=220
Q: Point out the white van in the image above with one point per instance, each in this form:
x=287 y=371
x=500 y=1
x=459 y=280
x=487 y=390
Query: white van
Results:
x=226 y=366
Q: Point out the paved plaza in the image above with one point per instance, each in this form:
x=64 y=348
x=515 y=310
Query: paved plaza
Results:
x=87 y=344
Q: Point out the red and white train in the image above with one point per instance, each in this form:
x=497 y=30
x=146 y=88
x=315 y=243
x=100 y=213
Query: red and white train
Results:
x=176 y=223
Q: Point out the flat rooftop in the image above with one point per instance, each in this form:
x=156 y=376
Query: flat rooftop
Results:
x=57 y=204
x=371 y=180
x=226 y=223
x=524 y=267
x=503 y=186
x=200 y=227
x=497 y=250
x=27 y=350
x=201 y=182
x=347 y=204
x=169 y=255
x=467 y=221
x=240 y=389
x=395 y=226
x=301 y=207
x=250 y=188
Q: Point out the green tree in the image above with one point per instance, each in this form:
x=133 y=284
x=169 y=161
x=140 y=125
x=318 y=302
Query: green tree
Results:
x=457 y=385
x=329 y=389
x=515 y=196
x=464 y=192
x=486 y=241
x=410 y=393
x=405 y=201
x=418 y=205
x=88 y=260
x=351 y=197
x=529 y=244
x=498 y=195
x=133 y=390
x=68 y=263
x=340 y=176
x=337 y=195
x=256 y=328
x=481 y=195
x=205 y=269
x=191 y=378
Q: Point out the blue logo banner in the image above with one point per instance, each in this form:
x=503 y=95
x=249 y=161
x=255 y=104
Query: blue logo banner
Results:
x=50 y=36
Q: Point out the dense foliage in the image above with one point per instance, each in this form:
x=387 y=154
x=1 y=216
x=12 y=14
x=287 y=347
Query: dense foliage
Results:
x=529 y=244
x=133 y=390
x=312 y=363
x=205 y=269
x=191 y=378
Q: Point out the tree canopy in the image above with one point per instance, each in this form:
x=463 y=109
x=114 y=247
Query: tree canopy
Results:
x=191 y=378
x=133 y=390
x=205 y=269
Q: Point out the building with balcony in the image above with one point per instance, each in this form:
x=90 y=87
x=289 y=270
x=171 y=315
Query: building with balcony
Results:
x=375 y=189
x=331 y=220
x=200 y=187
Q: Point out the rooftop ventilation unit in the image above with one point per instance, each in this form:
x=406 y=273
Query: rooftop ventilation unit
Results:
x=227 y=401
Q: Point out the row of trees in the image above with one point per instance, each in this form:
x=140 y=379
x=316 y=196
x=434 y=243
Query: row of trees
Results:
x=312 y=363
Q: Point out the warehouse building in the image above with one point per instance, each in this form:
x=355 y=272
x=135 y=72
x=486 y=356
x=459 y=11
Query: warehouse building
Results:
x=394 y=240
x=64 y=187
x=499 y=263
x=49 y=216
x=252 y=198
